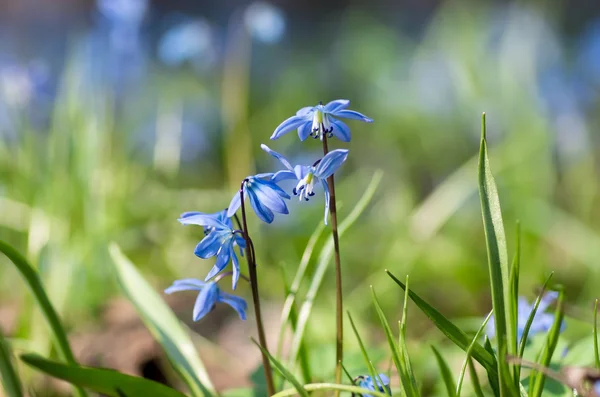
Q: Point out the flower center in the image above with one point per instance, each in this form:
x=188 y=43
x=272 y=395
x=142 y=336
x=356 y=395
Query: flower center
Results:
x=321 y=124
x=305 y=187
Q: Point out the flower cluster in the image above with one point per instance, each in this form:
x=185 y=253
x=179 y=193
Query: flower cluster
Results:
x=266 y=198
x=382 y=382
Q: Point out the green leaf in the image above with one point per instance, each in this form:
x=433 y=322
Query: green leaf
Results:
x=402 y=342
x=498 y=263
x=469 y=350
x=515 y=269
x=525 y=335
x=475 y=379
x=35 y=285
x=368 y=362
x=552 y=341
x=446 y=373
x=284 y=372
x=323 y=263
x=106 y=381
x=332 y=386
x=8 y=372
x=163 y=324
x=453 y=333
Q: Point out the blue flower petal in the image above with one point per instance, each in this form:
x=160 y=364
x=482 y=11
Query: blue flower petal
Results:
x=265 y=214
x=234 y=205
x=304 y=130
x=273 y=186
x=547 y=300
x=288 y=125
x=236 y=268
x=278 y=156
x=202 y=219
x=283 y=175
x=301 y=171
x=340 y=130
x=205 y=301
x=336 y=105
x=305 y=111
x=330 y=163
x=351 y=114
x=326 y=189
x=190 y=284
x=270 y=197
x=221 y=263
x=237 y=303
x=209 y=246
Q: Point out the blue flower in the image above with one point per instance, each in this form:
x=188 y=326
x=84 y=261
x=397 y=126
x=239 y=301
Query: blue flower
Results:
x=316 y=121
x=542 y=321
x=309 y=175
x=219 y=241
x=208 y=296
x=367 y=383
x=265 y=197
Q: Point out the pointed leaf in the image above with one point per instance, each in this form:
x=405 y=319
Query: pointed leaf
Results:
x=445 y=372
x=8 y=373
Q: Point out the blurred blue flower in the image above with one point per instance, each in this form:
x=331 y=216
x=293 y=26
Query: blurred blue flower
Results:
x=188 y=41
x=316 y=121
x=265 y=22
x=265 y=197
x=309 y=175
x=219 y=241
x=542 y=322
x=367 y=383
x=123 y=11
x=597 y=387
x=208 y=296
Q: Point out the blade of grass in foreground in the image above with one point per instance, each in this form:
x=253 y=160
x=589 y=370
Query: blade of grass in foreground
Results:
x=475 y=379
x=402 y=341
x=106 y=381
x=9 y=378
x=498 y=264
x=515 y=269
x=35 y=285
x=527 y=327
x=332 y=386
x=469 y=350
x=284 y=372
x=368 y=362
x=163 y=324
x=552 y=341
x=446 y=373
x=455 y=334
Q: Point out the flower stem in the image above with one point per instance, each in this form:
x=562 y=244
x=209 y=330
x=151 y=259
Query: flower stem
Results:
x=250 y=255
x=339 y=315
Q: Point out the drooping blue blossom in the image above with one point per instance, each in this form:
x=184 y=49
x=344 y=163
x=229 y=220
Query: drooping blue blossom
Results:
x=219 y=241
x=265 y=196
x=309 y=175
x=366 y=382
x=542 y=321
x=208 y=296
x=316 y=121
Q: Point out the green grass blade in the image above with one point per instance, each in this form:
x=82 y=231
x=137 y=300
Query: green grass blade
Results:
x=284 y=372
x=331 y=386
x=402 y=340
x=475 y=379
x=498 y=263
x=453 y=333
x=445 y=372
x=514 y=292
x=493 y=381
x=8 y=373
x=35 y=285
x=523 y=342
x=596 y=353
x=106 y=381
x=468 y=356
x=325 y=258
x=163 y=324
x=368 y=362
x=552 y=341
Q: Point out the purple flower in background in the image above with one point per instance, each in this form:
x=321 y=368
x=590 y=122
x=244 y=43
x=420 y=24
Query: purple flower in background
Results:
x=219 y=241
x=309 y=175
x=316 y=121
x=542 y=322
x=265 y=197
x=382 y=381
x=209 y=295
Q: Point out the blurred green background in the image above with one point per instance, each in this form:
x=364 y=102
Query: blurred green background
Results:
x=116 y=117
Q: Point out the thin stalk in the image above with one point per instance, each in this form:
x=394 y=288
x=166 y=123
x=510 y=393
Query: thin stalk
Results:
x=339 y=339
x=250 y=255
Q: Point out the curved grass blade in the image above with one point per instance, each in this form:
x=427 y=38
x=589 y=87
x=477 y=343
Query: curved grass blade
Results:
x=490 y=349
x=498 y=264
x=35 y=285
x=163 y=324
x=8 y=373
x=331 y=386
x=363 y=350
x=469 y=350
x=453 y=333
x=596 y=354
x=402 y=341
x=284 y=372
x=552 y=341
x=523 y=342
x=106 y=381
x=446 y=373
x=474 y=379
x=515 y=269
x=324 y=259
